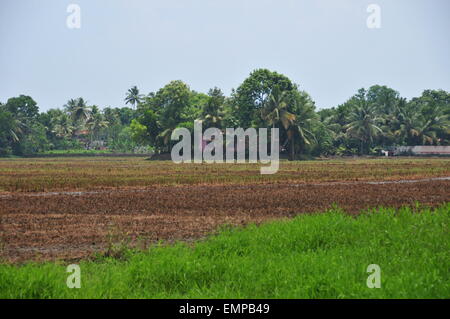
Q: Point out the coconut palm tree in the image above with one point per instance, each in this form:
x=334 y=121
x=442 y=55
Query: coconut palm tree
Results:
x=275 y=110
x=13 y=126
x=212 y=113
x=62 y=126
x=436 y=121
x=78 y=110
x=95 y=123
x=164 y=137
x=425 y=130
x=409 y=123
x=133 y=97
x=17 y=129
x=418 y=128
x=300 y=130
x=363 y=125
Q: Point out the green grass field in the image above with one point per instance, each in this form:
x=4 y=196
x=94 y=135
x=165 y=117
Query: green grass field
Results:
x=311 y=256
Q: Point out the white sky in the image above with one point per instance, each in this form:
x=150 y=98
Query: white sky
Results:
x=325 y=46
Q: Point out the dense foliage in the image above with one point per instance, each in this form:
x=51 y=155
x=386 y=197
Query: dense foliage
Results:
x=372 y=119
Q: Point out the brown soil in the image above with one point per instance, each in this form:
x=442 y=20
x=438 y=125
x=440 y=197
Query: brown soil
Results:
x=73 y=225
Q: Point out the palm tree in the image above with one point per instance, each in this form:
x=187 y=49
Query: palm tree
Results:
x=63 y=127
x=78 y=110
x=419 y=128
x=276 y=111
x=409 y=123
x=300 y=130
x=95 y=123
x=13 y=126
x=17 y=129
x=363 y=124
x=212 y=113
x=164 y=137
x=133 y=97
x=436 y=121
x=426 y=133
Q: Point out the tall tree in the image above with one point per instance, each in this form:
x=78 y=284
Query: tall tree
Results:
x=292 y=111
x=363 y=121
x=62 y=126
x=212 y=111
x=423 y=120
x=162 y=112
x=78 y=110
x=383 y=98
x=22 y=112
x=133 y=97
x=305 y=120
x=275 y=110
x=23 y=107
x=12 y=128
x=95 y=123
x=254 y=92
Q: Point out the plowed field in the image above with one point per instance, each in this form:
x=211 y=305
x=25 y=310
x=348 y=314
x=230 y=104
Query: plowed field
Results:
x=69 y=208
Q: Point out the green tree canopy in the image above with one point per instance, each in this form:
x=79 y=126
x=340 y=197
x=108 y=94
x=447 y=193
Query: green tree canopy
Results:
x=254 y=92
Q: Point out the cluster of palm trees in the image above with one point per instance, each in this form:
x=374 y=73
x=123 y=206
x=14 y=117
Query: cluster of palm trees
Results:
x=276 y=113
x=370 y=123
x=77 y=118
x=415 y=128
x=363 y=125
x=294 y=116
x=370 y=120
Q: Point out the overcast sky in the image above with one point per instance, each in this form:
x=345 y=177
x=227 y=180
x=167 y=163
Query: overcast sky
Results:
x=324 y=46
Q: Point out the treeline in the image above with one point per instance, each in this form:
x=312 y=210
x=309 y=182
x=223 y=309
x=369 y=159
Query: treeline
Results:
x=76 y=126
x=369 y=121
